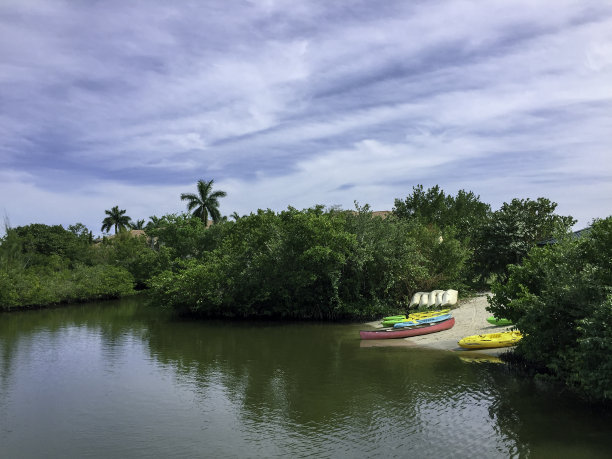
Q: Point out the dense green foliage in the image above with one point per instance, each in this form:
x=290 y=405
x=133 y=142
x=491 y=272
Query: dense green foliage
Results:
x=39 y=244
x=182 y=234
x=510 y=232
x=561 y=299
x=42 y=265
x=310 y=264
x=464 y=212
x=307 y=264
x=493 y=239
x=32 y=287
x=133 y=254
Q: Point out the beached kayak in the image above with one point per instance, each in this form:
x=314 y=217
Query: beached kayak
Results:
x=392 y=320
x=491 y=340
x=494 y=321
x=425 y=320
x=408 y=331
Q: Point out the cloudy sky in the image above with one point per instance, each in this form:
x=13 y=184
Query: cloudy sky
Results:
x=286 y=102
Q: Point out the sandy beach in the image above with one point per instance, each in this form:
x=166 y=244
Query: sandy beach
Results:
x=470 y=319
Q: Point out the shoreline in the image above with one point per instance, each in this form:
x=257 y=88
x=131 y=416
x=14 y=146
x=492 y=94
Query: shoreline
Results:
x=470 y=319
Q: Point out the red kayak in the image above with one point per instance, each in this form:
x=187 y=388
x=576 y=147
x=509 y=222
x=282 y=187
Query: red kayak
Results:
x=407 y=331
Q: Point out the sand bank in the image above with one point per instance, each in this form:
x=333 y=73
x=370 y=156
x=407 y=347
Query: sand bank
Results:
x=470 y=319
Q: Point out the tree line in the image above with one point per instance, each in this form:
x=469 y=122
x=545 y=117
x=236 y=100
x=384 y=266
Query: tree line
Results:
x=430 y=240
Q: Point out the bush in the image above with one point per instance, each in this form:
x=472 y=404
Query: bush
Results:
x=311 y=264
x=36 y=287
x=560 y=299
x=135 y=255
x=508 y=234
x=38 y=242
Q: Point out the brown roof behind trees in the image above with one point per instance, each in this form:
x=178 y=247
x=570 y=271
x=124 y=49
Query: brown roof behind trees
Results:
x=377 y=213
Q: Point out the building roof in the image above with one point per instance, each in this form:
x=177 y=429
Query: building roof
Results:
x=381 y=213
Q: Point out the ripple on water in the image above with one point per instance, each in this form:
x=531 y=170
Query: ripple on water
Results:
x=455 y=421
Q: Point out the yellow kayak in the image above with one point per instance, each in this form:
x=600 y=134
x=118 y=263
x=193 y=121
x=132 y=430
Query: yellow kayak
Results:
x=491 y=340
x=420 y=315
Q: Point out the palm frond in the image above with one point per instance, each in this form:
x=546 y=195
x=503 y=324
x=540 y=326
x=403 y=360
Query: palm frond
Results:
x=215 y=215
x=189 y=196
x=204 y=187
x=218 y=194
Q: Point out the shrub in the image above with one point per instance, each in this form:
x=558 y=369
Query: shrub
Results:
x=36 y=287
x=509 y=233
x=311 y=264
x=560 y=299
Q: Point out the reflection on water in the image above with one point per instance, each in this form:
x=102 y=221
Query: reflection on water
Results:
x=475 y=357
x=119 y=380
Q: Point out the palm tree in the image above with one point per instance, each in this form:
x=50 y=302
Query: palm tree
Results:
x=205 y=202
x=139 y=225
x=117 y=219
x=153 y=223
x=235 y=216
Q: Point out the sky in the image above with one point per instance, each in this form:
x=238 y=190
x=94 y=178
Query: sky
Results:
x=298 y=103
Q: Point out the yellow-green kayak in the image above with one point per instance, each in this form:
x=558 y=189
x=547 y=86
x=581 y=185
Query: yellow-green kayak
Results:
x=491 y=340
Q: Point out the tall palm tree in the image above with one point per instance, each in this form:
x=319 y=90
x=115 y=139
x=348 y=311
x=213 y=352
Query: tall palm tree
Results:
x=205 y=202
x=117 y=219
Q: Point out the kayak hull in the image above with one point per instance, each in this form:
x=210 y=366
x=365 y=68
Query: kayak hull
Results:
x=408 y=331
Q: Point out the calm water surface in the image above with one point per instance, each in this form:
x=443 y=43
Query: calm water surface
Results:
x=120 y=380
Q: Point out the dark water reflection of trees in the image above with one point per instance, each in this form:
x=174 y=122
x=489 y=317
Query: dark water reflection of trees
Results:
x=313 y=377
x=314 y=373
x=113 y=321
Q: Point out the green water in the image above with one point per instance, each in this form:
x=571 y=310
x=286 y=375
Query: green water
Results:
x=119 y=380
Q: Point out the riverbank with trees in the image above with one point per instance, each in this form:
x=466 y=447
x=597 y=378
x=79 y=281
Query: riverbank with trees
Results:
x=334 y=264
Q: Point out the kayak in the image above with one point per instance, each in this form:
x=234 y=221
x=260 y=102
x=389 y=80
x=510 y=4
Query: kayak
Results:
x=416 y=314
x=491 y=340
x=425 y=320
x=392 y=320
x=494 y=321
x=400 y=317
x=419 y=313
x=407 y=331
x=429 y=313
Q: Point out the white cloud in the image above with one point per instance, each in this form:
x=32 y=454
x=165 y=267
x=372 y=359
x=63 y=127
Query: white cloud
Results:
x=30 y=203
x=298 y=104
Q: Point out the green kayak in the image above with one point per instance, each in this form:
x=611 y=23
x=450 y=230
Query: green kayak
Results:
x=400 y=317
x=493 y=321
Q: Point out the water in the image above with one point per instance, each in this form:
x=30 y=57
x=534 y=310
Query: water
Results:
x=120 y=380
